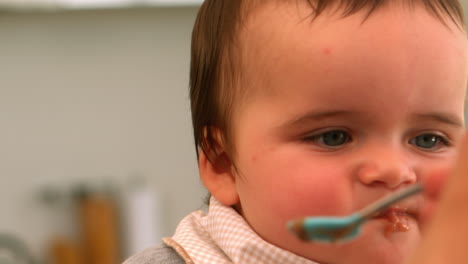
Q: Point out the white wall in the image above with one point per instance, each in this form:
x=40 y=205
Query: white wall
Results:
x=93 y=96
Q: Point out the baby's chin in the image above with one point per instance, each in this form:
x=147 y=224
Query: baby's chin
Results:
x=387 y=246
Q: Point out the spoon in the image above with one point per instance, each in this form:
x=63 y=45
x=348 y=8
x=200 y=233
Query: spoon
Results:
x=328 y=229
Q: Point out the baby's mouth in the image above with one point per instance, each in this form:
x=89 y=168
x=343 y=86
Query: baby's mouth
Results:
x=397 y=218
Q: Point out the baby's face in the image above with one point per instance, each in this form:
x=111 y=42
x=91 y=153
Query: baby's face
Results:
x=340 y=113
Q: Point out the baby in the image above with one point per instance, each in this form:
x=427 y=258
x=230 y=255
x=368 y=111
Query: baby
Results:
x=306 y=108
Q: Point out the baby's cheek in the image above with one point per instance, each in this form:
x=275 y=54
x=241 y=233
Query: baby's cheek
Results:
x=426 y=212
x=328 y=196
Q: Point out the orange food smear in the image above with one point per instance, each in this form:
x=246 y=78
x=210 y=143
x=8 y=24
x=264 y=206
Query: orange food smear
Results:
x=397 y=222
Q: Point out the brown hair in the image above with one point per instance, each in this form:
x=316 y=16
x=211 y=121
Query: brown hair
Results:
x=214 y=69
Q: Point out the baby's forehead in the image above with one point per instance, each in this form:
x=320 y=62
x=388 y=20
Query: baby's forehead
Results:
x=279 y=39
x=273 y=29
x=259 y=22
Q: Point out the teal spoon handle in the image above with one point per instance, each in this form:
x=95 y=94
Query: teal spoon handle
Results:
x=387 y=201
x=331 y=229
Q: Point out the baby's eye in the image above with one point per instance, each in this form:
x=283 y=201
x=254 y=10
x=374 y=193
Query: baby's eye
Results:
x=429 y=141
x=333 y=138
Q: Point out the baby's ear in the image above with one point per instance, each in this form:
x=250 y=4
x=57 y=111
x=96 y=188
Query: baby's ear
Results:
x=216 y=171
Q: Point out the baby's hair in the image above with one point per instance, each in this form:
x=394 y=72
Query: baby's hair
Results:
x=215 y=70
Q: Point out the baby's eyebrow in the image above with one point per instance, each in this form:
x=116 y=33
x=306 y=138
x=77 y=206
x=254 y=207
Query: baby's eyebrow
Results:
x=319 y=115
x=441 y=117
x=446 y=118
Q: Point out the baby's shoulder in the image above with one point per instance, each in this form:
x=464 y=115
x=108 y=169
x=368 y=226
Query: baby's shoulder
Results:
x=161 y=254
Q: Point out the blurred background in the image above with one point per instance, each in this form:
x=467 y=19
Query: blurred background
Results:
x=96 y=149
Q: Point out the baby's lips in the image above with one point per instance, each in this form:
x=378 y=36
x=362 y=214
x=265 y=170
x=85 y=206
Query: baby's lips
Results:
x=397 y=219
x=408 y=209
x=391 y=210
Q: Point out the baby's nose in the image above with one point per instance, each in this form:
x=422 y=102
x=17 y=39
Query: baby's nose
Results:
x=387 y=168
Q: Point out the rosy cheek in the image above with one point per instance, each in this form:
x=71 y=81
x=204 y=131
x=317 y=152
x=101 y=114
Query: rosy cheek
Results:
x=323 y=199
x=308 y=195
x=296 y=186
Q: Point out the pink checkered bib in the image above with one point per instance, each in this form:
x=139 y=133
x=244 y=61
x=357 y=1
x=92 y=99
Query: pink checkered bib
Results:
x=223 y=236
